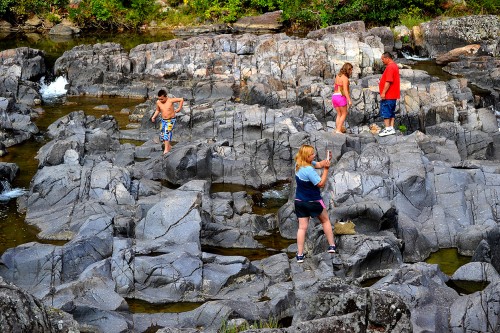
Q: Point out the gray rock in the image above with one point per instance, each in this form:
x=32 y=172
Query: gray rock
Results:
x=219 y=271
x=8 y=171
x=422 y=288
x=476 y=272
x=460 y=31
x=268 y=22
x=21 y=312
x=355 y=27
x=343 y=304
x=472 y=312
x=61 y=29
x=386 y=36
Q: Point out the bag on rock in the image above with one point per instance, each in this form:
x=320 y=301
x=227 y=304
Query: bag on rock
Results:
x=344 y=228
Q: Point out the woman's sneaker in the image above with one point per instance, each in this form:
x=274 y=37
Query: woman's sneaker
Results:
x=300 y=258
x=332 y=249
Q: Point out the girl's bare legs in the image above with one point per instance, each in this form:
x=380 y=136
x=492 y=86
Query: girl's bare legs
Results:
x=340 y=119
x=301 y=234
x=327 y=227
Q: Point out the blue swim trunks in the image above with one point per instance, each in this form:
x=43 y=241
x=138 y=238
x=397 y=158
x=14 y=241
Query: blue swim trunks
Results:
x=388 y=108
x=167 y=127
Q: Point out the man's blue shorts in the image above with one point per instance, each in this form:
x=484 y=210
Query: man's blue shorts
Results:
x=388 y=108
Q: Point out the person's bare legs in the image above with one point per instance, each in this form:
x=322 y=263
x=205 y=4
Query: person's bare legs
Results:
x=391 y=122
x=301 y=234
x=387 y=122
x=327 y=227
x=167 y=147
x=340 y=119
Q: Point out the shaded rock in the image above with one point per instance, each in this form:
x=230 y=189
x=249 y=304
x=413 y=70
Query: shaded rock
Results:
x=454 y=54
x=268 y=22
x=444 y=35
x=472 y=312
x=350 y=307
x=61 y=30
x=5 y=26
x=21 y=312
x=353 y=28
x=202 y=29
x=8 y=171
x=422 y=288
x=210 y=316
x=386 y=36
x=219 y=271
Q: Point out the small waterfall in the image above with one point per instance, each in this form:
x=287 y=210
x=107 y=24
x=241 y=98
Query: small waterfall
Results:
x=281 y=192
x=54 y=89
x=413 y=57
x=8 y=193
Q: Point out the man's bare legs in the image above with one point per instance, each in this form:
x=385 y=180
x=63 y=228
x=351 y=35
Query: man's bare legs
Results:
x=389 y=122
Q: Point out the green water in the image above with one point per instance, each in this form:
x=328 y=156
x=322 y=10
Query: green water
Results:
x=448 y=260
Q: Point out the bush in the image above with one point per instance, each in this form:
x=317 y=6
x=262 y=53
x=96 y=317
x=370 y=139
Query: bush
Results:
x=4 y=6
x=24 y=8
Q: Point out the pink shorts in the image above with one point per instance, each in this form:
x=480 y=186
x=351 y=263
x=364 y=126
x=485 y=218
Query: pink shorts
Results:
x=339 y=100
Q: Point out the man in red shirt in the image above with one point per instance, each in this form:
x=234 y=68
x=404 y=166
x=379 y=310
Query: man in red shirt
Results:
x=389 y=93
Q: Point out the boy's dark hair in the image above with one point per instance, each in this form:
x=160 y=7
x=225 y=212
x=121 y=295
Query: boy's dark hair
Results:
x=162 y=93
x=387 y=55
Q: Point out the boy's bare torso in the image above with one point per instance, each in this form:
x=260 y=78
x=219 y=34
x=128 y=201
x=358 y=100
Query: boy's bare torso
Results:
x=166 y=107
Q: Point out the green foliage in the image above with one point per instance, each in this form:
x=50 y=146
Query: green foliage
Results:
x=478 y=7
x=402 y=128
x=4 y=6
x=53 y=18
x=141 y=11
x=24 y=8
x=412 y=16
x=302 y=14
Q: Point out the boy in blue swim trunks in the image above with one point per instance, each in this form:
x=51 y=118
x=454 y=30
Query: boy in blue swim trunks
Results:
x=165 y=107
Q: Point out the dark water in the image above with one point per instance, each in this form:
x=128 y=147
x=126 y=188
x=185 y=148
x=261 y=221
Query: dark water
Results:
x=139 y=306
x=436 y=70
x=13 y=230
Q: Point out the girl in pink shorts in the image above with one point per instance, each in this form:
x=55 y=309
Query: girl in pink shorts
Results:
x=341 y=98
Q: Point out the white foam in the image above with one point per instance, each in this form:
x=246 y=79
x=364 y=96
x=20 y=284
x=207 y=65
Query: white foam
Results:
x=11 y=194
x=414 y=57
x=279 y=193
x=54 y=89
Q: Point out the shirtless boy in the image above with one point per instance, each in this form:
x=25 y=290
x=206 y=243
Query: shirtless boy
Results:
x=165 y=106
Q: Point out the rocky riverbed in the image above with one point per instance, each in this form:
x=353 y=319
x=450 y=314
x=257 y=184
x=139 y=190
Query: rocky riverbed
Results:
x=251 y=101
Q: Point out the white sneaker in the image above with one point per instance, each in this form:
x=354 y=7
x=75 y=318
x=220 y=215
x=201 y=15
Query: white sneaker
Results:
x=386 y=132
